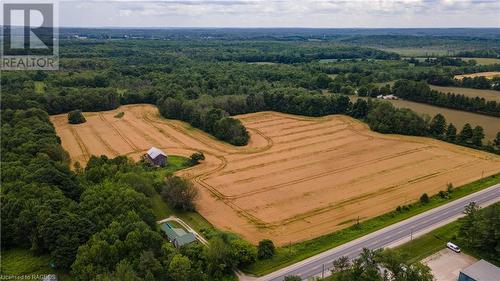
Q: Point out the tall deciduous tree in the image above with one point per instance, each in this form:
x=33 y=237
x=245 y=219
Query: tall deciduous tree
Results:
x=379 y=265
x=265 y=249
x=76 y=117
x=180 y=193
x=179 y=268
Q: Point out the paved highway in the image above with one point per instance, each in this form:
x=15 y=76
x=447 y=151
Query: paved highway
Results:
x=388 y=236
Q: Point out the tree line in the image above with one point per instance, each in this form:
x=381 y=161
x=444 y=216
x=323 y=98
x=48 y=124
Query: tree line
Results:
x=420 y=91
x=481 y=53
x=381 y=116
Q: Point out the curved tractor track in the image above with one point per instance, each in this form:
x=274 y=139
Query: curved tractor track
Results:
x=298 y=178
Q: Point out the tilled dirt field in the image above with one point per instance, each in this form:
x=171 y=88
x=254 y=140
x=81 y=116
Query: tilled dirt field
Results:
x=298 y=178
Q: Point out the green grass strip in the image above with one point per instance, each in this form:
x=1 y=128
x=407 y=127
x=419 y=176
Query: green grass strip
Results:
x=429 y=243
x=434 y=241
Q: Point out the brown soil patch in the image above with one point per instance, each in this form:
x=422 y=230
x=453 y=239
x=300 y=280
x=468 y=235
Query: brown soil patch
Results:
x=298 y=178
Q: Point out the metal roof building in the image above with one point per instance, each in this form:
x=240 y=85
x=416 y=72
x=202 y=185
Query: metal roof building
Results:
x=480 y=271
x=178 y=236
x=156 y=156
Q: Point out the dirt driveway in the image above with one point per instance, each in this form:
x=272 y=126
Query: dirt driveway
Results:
x=446 y=264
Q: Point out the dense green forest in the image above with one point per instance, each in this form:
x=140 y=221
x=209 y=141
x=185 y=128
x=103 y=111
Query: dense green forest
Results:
x=97 y=222
x=103 y=74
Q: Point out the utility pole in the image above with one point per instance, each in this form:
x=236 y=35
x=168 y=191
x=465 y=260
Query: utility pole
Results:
x=323 y=272
x=411 y=238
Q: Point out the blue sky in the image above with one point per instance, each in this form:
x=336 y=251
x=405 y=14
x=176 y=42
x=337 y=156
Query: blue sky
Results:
x=280 y=13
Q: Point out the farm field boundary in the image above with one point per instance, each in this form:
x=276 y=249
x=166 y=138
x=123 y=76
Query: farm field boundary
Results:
x=299 y=177
x=297 y=252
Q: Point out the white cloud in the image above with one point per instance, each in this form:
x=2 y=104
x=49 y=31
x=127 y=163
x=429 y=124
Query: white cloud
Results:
x=257 y=13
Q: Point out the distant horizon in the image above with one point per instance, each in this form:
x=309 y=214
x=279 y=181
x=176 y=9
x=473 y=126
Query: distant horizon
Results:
x=313 y=14
x=270 y=27
x=279 y=13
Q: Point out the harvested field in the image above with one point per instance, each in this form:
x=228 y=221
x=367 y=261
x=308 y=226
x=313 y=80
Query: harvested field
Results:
x=490 y=124
x=489 y=95
x=488 y=75
x=424 y=51
x=483 y=61
x=298 y=178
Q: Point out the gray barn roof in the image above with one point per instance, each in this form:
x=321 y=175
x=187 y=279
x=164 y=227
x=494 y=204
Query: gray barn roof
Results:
x=482 y=271
x=178 y=236
x=154 y=152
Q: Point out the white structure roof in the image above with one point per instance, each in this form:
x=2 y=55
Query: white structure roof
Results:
x=482 y=271
x=154 y=152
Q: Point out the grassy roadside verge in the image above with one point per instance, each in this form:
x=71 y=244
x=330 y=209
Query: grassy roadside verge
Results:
x=302 y=250
x=435 y=241
x=429 y=243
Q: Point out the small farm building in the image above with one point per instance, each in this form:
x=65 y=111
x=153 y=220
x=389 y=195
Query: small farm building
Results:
x=480 y=271
x=177 y=236
x=156 y=157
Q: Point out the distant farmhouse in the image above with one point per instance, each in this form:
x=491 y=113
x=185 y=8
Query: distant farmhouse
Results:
x=480 y=271
x=387 y=97
x=177 y=236
x=156 y=157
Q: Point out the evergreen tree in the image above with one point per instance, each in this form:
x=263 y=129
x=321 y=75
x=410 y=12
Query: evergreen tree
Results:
x=477 y=136
x=470 y=224
x=466 y=134
x=451 y=133
x=438 y=125
x=496 y=142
